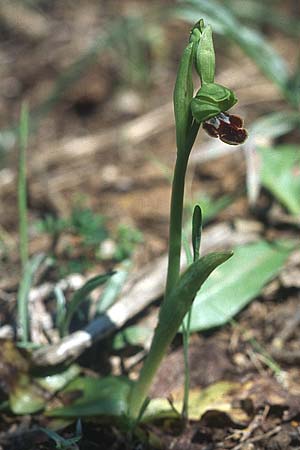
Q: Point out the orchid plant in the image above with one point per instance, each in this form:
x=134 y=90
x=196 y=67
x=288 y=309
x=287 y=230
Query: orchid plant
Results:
x=209 y=108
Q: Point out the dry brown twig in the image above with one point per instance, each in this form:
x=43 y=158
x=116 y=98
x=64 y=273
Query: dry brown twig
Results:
x=140 y=290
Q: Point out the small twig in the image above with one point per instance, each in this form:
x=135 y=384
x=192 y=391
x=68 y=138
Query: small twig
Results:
x=288 y=329
x=286 y=356
x=139 y=291
x=261 y=437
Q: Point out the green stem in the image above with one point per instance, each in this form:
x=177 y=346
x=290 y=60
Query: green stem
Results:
x=176 y=211
x=162 y=337
x=158 y=349
x=175 y=230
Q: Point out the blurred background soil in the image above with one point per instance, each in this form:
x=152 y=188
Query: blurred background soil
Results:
x=98 y=78
x=102 y=120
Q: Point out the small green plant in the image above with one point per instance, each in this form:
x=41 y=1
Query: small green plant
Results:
x=208 y=108
x=126 y=240
x=83 y=222
x=28 y=266
x=92 y=231
x=63 y=443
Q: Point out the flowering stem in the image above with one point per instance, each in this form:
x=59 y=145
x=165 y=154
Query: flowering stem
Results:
x=190 y=112
x=176 y=210
x=163 y=336
x=175 y=230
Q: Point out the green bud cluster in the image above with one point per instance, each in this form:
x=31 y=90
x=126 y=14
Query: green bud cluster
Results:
x=211 y=99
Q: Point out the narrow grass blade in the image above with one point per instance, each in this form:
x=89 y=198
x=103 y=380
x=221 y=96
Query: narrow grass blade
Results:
x=275 y=124
x=22 y=190
x=81 y=295
x=60 y=442
x=61 y=309
x=113 y=288
x=23 y=295
x=269 y=126
x=261 y=13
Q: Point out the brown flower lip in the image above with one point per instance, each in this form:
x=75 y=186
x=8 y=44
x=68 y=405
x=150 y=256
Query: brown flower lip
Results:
x=227 y=127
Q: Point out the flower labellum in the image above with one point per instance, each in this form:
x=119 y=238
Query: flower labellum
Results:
x=227 y=127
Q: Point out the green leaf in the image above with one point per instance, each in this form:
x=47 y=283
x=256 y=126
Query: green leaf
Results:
x=126 y=240
x=196 y=231
x=281 y=175
x=95 y=397
x=26 y=397
x=89 y=225
x=113 y=287
x=172 y=312
x=214 y=397
x=261 y=13
x=178 y=303
x=60 y=442
x=53 y=382
x=134 y=336
x=80 y=296
x=234 y=285
x=61 y=309
x=275 y=124
x=28 y=394
x=212 y=206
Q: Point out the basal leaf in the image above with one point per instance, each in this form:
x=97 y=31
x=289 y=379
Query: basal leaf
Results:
x=134 y=335
x=26 y=397
x=281 y=175
x=236 y=283
x=95 y=397
x=214 y=397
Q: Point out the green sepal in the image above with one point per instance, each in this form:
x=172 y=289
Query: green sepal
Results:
x=211 y=100
x=183 y=94
x=196 y=31
x=205 y=61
